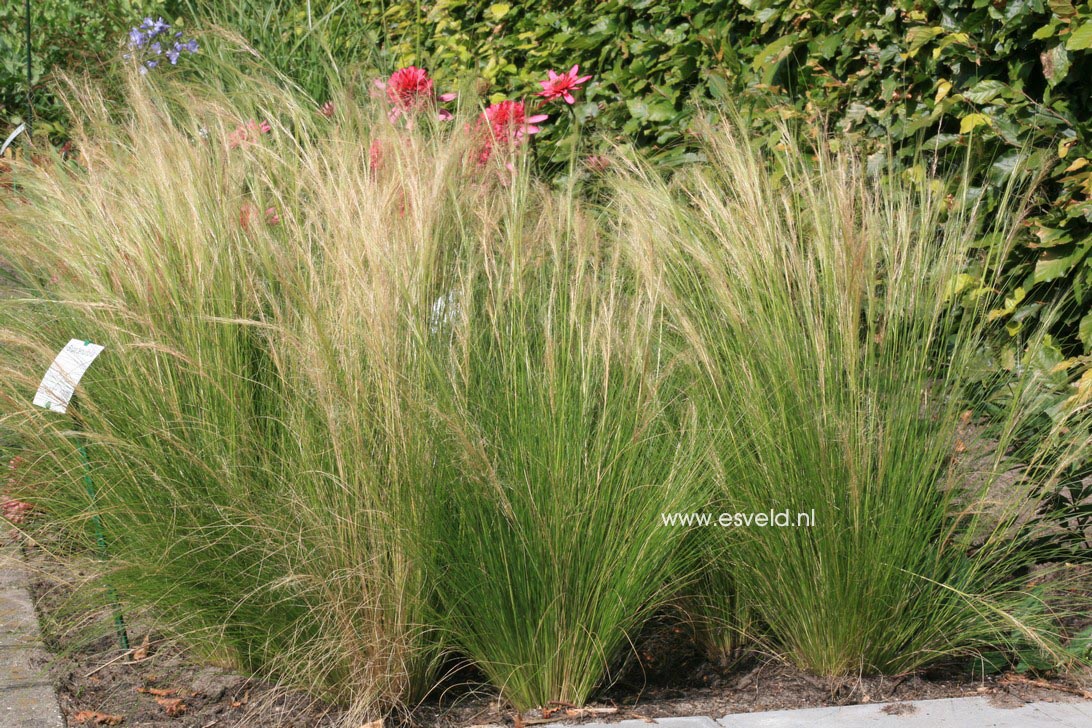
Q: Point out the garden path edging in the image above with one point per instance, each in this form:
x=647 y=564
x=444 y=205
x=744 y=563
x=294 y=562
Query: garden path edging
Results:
x=27 y=697
x=943 y=713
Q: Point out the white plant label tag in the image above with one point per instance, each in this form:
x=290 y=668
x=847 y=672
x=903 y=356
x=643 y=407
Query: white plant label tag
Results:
x=11 y=137
x=64 y=374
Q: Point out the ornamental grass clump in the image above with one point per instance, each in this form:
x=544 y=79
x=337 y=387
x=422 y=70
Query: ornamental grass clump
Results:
x=571 y=446
x=366 y=399
x=264 y=454
x=836 y=325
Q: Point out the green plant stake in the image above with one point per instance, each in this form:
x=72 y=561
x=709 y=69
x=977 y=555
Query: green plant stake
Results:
x=100 y=539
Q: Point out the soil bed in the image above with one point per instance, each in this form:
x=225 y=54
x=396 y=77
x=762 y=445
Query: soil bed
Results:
x=665 y=677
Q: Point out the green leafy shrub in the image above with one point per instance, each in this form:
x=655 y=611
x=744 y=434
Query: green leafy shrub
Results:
x=82 y=37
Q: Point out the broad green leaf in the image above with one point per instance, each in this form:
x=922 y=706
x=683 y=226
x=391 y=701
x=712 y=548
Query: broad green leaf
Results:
x=944 y=86
x=1011 y=302
x=1052 y=237
x=1050 y=30
x=917 y=37
x=1054 y=264
x=960 y=283
x=1062 y=8
x=769 y=57
x=499 y=10
x=972 y=121
x=1078 y=164
x=1055 y=64
x=1081 y=38
x=984 y=91
x=1085 y=331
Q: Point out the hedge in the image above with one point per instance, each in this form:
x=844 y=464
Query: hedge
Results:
x=1010 y=77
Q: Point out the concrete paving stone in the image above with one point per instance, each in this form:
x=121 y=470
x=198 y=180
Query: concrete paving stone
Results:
x=976 y=712
x=1064 y=711
x=947 y=713
x=27 y=698
x=698 y=722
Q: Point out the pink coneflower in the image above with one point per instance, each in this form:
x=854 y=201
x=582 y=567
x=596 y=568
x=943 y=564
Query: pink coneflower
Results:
x=508 y=121
x=249 y=215
x=505 y=124
x=597 y=163
x=375 y=156
x=248 y=132
x=410 y=89
x=561 y=86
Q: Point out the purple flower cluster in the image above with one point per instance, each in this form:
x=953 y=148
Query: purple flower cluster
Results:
x=152 y=39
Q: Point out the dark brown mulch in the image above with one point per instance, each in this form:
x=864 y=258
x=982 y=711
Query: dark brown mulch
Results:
x=665 y=677
x=669 y=678
x=158 y=684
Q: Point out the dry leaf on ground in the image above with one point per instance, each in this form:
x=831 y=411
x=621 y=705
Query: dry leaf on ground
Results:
x=141 y=652
x=94 y=717
x=158 y=692
x=172 y=706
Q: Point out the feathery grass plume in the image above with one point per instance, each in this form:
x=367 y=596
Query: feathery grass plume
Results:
x=836 y=347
